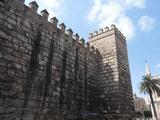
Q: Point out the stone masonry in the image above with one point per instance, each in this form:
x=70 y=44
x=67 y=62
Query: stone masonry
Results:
x=114 y=75
x=49 y=73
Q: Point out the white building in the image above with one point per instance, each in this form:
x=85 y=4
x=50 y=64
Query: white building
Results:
x=155 y=97
x=157 y=105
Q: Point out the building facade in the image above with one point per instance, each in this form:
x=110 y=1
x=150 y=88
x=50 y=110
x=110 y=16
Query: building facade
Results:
x=47 y=73
x=157 y=105
x=155 y=97
x=157 y=100
x=139 y=104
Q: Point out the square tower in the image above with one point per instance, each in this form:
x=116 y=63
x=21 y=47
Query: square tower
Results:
x=114 y=74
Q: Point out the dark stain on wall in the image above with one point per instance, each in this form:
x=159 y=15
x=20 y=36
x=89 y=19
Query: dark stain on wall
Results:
x=48 y=72
x=86 y=82
x=63 y=77
x=33 y=66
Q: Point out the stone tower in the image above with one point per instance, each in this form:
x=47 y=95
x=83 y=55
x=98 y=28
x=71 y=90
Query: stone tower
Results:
x=48 y=73
x=114 y=74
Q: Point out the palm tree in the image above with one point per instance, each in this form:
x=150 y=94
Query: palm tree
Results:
x=150 y=85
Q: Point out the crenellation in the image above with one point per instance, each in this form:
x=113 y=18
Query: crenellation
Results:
x=54 y=74
x=45 y=14
x=113 y=26
x=90 y=35
x=62 y=27
x=76 y=37
x=106 y=29
x=69 y=32
x=124 y=38
x=82 y=41
x=100 y=31
x=106 y=32
x=95 y=33
x=87 y=45
x=109 y=45
x=34 y=6
x=54 y=22
x=120 y=35
x=119 y=32
x=103 y=31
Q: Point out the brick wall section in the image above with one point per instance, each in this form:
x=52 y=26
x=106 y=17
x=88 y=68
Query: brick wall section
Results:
x=114 y=74
x=46 y=73
x=124 y=75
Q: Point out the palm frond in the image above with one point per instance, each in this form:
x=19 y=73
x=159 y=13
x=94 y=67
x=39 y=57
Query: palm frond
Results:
x=149 y=84
x=157 y=81
x=143 y=87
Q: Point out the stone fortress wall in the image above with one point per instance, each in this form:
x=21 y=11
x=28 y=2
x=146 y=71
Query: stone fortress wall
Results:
x=49 y=73
x=114 y=74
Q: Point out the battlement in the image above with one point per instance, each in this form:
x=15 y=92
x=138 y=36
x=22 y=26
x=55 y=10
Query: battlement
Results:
x=51 y=25
x=105 y=32
x=50 y=72
x=62 y=27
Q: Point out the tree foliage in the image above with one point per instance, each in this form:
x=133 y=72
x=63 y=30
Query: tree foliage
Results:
x=148 y=84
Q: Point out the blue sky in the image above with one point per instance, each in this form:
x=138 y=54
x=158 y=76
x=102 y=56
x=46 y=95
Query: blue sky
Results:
x=137 y=19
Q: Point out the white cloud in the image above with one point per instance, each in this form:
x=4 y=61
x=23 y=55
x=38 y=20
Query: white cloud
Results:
x=126 y=25
x=52 y=6
x=134 y=3
x=158 y=65
x=115 y=12
x=146 y=23
x=96 y=8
